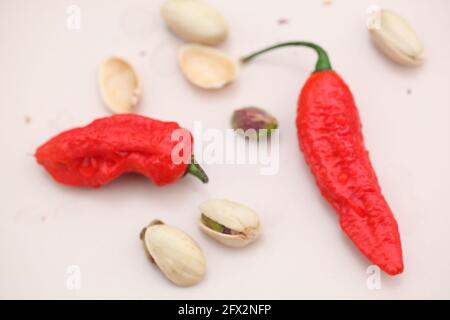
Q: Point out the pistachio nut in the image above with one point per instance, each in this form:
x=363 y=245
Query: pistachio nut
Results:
x=175 y=253
x=253 y=122
x=206 y=67
x=228 y=222
x=195 y=21
x=393 y=35
x=119 y=85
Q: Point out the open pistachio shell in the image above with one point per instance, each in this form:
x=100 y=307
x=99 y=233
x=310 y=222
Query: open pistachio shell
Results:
x=175 y=253
x=195 y=21
x=206 y=67
x=394 y=36
x=228 y=222
x=119 y=85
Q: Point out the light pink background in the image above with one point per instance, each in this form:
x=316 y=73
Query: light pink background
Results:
x=48 y=73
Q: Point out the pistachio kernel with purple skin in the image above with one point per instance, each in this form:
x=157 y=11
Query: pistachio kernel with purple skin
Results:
x=260 y=122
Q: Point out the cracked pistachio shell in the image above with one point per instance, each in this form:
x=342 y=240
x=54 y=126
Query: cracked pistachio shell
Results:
x=175 y=253
x=394 y=36
x=119 y=85
x=241 y=221
x=195 y=21
x=206 y=67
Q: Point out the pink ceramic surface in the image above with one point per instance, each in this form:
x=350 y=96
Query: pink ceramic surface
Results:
x=48 y=83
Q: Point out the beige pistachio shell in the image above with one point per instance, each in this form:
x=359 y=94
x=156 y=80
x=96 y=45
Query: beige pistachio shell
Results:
x=119 y=85
x=195 y=21
x=206 y=67
x=394 y=36
x=243 y=222
x=175 y=253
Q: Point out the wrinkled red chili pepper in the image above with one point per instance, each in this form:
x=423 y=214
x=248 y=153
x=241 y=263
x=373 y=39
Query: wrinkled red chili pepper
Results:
x=329 y=133
x=103 y=150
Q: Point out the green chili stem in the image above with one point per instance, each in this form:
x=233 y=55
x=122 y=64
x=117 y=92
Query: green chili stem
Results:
x=195 y=169
x=323 y=62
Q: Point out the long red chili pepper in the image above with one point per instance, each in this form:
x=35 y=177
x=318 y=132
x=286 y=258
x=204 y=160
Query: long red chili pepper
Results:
x=103 y=150
x=329 y=133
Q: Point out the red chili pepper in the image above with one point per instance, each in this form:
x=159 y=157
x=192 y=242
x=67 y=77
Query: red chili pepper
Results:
x=329 y=133
x=98 y=153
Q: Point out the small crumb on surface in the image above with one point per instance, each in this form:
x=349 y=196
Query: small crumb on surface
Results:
x=327 y=2
x=43 y=218
x=282 y=21
x=408 y=91
x=142 y=53
x=27 y=119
